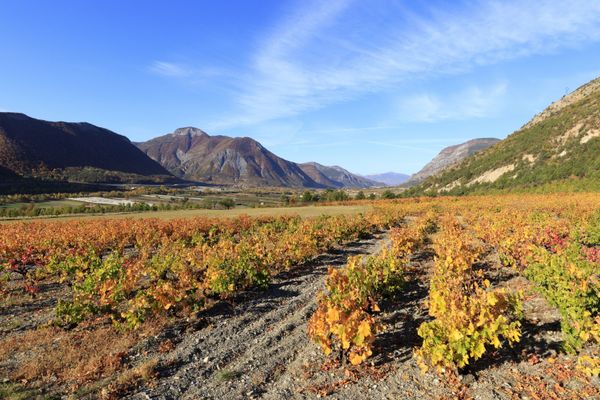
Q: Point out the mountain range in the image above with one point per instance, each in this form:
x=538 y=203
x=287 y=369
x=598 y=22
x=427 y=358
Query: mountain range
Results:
x=337 y=177
x=389 y=178
x=192 y=154
x=33 y=151
x=559 y=148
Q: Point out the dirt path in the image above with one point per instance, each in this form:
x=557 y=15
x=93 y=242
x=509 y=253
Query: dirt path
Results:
x=246 y=350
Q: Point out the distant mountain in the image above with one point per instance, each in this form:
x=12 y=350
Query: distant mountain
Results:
x=71 y=151
x=559 y=149
x=313 y=170
x=450 y=156
x=336 y=177
x=389 y=178
x=192 y=154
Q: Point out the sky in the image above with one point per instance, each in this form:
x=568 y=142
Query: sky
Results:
x=373 y=86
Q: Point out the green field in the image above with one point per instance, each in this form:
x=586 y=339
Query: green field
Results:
x=45 y=204
x=308 y=211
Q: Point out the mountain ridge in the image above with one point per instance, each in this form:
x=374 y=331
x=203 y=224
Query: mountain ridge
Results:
x=557 y=149
x=71 y=151
x=336 y=176
x=389 y=178
x=451 y=155
x=192 y=154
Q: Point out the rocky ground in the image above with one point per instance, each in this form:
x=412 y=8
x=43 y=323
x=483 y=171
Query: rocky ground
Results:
x=255 y=346
x=258 y=348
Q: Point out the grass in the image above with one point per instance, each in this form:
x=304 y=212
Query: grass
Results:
x=45 y=204
x=241 y=198
x=225 y=376
x=309 y=211
x=73 y=357
x=13 y=391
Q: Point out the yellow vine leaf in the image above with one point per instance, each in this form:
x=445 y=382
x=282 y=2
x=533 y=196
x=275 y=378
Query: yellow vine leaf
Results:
x=456 y=335
x=333 y=315
x=356 y=359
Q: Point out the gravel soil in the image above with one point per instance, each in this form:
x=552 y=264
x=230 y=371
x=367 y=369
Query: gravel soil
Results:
x=256 y=347
x=252 y=348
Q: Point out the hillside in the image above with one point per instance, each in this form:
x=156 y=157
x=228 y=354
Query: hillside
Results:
x=336 y=177
x=450 y=156
x=7 y=175
x=389 y=178
x=559 y=149
x=192 y=154
x=71 y=151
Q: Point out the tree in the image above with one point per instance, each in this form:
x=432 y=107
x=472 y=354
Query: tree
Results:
x=307 y=197
x=388 y=194
x=227 y=203
x=334 y=195
x=360 y=195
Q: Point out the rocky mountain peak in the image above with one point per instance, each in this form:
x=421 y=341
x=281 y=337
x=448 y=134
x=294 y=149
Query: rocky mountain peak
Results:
x=189 y=131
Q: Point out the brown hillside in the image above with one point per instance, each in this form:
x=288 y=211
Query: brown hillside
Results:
x=32 y=147
x=192 y=154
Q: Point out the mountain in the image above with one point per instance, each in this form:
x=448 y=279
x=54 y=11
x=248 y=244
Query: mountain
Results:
x=389 y=178
x=336 y=177
x=450 y=156
x=71 y=151
x=559 y=149
x=6 y=174
x=192 y=154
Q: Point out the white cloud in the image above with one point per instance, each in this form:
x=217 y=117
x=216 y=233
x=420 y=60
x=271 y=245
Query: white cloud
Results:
x=332 y=51
x=473 y=102
x=194 y=76
x=170 y=69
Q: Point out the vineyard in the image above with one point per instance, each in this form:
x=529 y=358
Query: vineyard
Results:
x=474 y=297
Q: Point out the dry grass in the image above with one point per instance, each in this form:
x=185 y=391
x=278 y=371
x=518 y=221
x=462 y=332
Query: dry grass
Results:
x=136 y=376
x=308 y=211
x=70 y=359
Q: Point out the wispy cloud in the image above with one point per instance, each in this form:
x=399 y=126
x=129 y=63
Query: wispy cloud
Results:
x=196 y=76
x=473 y=102
x=170 y=69
x=311 y=59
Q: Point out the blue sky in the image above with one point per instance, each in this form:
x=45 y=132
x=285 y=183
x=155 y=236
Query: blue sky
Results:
x=372 y=86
